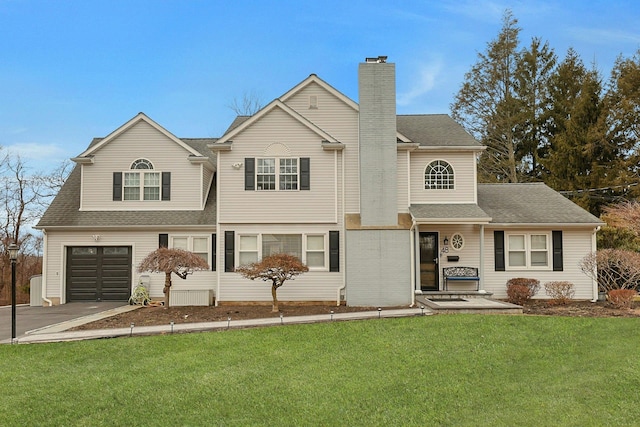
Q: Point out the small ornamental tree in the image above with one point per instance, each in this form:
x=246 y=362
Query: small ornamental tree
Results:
x=275 y=268
x=167 y=261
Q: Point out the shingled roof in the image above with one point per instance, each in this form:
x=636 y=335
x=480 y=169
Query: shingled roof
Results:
x=530 y=203
x=64 y=210
x=435 y=130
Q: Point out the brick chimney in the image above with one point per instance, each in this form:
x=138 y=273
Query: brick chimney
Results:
x=378 y=155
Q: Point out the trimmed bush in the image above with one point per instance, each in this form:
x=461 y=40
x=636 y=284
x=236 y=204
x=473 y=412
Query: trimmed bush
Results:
x=561 y=292
x=521 y=290
x=622 y=298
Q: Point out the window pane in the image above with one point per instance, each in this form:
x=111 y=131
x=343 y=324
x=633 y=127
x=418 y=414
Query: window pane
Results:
x=539 y=241
x=84 y=251
x=116 y=250
x=131 y=179
x=131 y=193
x=315 y=243
x=516 y=259
x=266 y=182
x=516 y=242
x=205 y=257
x=152 y=179
x=315 y=259
x=200 y=244
x=180 y=243
x=282 y=243
x=267 y=166
x=249 y=243
x=152 y=193
x=247 y=257
x=538 y=259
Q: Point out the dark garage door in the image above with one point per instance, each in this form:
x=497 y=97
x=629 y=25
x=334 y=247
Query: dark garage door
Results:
x=98 y=273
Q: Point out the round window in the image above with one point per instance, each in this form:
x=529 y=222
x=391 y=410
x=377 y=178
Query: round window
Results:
x=457 y=241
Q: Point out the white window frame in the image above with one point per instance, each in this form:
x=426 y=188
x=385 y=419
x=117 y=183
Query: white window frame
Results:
x=528 y=250
x=304 y=247
x=278 y=174
x=442 y=181
x=142 y=168
x=190 y=244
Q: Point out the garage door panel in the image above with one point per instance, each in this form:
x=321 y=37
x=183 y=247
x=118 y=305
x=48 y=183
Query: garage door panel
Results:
x=99 y=273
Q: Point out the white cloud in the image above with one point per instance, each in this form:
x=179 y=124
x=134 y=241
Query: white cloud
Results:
x=421 y=82
x=604 y=36
x=37 y=152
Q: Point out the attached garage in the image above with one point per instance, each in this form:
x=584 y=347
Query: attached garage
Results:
x=98 y=273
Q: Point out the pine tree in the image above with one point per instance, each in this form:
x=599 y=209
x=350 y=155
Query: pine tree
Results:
x=487 y=107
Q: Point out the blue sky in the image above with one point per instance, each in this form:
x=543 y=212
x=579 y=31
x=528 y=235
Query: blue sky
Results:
x=74 y=70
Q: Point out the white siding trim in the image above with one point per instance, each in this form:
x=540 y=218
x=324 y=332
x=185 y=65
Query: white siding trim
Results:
x=408 y=179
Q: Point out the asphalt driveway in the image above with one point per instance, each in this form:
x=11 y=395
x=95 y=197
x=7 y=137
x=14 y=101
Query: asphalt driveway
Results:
x=30 y=318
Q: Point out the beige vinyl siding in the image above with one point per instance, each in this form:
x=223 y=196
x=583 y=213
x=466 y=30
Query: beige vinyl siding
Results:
x=311 y=286
x=340 y=121
x=576 y=244
x=464 y=177
x=278 y=132
x=141 y=242
x=141 y=141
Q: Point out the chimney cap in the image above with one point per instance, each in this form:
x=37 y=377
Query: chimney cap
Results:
x=378 y=60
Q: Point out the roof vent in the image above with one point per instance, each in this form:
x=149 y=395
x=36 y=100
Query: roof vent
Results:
x=378 y=60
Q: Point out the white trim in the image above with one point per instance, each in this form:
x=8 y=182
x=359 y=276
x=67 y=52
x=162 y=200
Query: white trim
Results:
x=326 y=86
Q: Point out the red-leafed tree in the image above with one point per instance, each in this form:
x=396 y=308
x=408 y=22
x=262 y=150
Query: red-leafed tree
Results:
x=167 y=261
x=274 y=268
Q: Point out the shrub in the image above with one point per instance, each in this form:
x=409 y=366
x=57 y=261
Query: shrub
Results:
x=613 y=269
x=622 y=298
x=520 y=289
x=517 y=294
x=560 y=292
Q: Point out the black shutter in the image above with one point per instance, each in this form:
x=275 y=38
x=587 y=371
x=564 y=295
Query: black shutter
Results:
x=213 y=252
x=305 y=173
x=498 y=246
x=334 y=251
x=249 y=173
x=166 y=185
x=229 y=250
x=557 y=250
x=117 y=186
x=163 y=240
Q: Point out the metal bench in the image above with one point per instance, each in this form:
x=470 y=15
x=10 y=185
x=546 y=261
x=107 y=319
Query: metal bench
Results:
x=466 y=274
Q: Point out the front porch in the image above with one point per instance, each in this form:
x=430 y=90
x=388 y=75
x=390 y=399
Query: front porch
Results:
x=474 y=302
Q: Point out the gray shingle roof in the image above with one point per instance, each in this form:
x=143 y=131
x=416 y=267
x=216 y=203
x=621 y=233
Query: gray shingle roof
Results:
x=453 y=212
x=435 y=130
x=530 y=203
x=64 y=209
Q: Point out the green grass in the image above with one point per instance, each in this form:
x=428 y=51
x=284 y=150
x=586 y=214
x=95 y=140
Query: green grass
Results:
x=434 y=370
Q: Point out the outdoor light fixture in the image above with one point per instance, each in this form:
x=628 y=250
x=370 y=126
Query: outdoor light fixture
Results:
x=446 y=241
x=331 y=314
x=281 y=319
x=228 y=322
x=422 y=308
x=171 y=323
x=379 y=312
x=13 y=250
x=131 y=332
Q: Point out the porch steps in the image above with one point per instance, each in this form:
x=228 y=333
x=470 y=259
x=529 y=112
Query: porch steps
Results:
x=465 y=304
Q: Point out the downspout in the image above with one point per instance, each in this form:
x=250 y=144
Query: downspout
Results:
x=344 y=232
x=412 y=285
x=594 y=247
x=44 y=269
x=481 y=266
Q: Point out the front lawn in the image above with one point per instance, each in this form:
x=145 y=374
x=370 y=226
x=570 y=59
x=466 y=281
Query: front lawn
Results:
x=433 y=370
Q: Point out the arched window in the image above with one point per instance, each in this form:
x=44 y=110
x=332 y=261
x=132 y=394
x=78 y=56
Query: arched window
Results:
x=141 y=164
x=438 y=176
x=142 y=185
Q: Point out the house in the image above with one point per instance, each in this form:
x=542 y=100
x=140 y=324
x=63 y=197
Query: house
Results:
x=376 y=204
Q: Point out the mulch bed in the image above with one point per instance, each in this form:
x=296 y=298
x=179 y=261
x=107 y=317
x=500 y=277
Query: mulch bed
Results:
x=149 y=316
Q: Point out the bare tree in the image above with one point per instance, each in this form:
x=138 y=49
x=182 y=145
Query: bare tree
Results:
x=176 y=261
x=625 y=215
x=275 y=268
x=249 y=104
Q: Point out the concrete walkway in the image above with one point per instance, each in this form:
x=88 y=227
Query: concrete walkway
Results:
x=58 y=332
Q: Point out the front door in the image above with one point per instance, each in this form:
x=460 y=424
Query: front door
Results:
x=429 y=261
